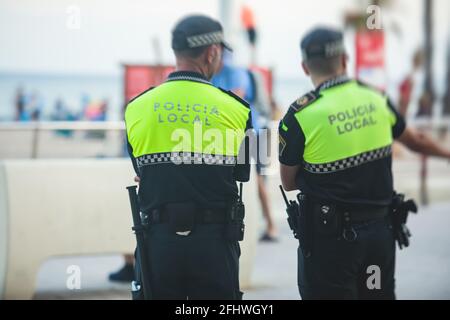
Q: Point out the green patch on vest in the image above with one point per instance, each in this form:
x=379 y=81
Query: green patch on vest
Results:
x=305 y=101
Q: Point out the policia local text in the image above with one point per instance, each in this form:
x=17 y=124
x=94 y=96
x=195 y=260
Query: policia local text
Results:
x=181 y=113
x=353 y=119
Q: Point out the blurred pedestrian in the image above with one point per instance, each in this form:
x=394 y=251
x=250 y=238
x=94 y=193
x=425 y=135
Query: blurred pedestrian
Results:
x=409 y=84
x=20 y=103
x=61 y=113
x=248 y=85
x=249 y=23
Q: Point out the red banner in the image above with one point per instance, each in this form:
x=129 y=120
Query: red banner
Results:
x=139 y=78
x=370 y=59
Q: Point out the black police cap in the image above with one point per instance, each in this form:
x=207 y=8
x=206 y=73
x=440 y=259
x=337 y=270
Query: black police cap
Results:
x=322 y=43
x=197 y=31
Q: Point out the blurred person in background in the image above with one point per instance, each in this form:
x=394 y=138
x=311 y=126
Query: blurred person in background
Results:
x=249 y=24
x=409 y=85
x=276 y=112
x=20 y=104
x=409 y=91
x=36 y=106
x=62 y=113
x=96 y=111
x=24 y=103
x=249 y=86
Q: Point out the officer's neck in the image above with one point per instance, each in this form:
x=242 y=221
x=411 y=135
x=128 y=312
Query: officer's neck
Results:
x=193 y=66
x=319 y=80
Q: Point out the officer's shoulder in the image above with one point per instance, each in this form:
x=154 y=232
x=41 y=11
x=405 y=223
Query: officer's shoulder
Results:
x=371 y=87
x=236 y=97
x=141 y=94
x=304 y=101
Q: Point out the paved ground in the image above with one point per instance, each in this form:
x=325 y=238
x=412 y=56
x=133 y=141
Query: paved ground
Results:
x=423 y=270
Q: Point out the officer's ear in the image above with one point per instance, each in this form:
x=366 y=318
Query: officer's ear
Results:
x=212 y=53
x=305 y=68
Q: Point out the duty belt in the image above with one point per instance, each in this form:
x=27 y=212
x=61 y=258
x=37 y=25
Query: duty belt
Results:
x=362 y=215
x=343 y=220
x=202 y=216
x=356 y=215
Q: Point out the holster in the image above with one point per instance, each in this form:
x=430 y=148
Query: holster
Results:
x=399 y=211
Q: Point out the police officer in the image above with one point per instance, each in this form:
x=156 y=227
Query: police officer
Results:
x=335 y=147
x=184 y=139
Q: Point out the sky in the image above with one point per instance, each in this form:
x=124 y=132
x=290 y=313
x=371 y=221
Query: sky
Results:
x=97 y=36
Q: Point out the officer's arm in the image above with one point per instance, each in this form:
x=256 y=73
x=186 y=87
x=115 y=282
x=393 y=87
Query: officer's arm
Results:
x=291 y=146
x=415 y=140
x=422 y=143
x=242 y=169
x=288 y=175
x=133 y=159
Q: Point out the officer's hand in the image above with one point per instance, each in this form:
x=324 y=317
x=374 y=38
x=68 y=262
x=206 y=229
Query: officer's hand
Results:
x=137 y=179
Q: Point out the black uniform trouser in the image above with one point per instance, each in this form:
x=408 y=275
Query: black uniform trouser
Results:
x=340 y=269
x=203 y=265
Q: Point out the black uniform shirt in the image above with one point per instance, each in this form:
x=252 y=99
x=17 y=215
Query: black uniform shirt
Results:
x=207 y=185
x=367 y=184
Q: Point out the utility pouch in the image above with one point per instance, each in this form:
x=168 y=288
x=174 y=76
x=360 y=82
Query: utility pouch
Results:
x=326 y=219
x=400 y=209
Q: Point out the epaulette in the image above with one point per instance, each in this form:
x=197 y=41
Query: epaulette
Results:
x=304 y=101
x=140 y=94
x=235 y=96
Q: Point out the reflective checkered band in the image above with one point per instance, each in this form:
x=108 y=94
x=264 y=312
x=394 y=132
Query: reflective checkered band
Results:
x=333 y=82
x=351 y=162
x=185 y=158
x=334 y=48
x=188 y=78
x=205 y=39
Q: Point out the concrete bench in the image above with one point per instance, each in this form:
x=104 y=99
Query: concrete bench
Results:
x=54 y=208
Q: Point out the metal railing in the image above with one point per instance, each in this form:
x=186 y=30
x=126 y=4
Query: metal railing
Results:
x=61 y=125
x=37 y=127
